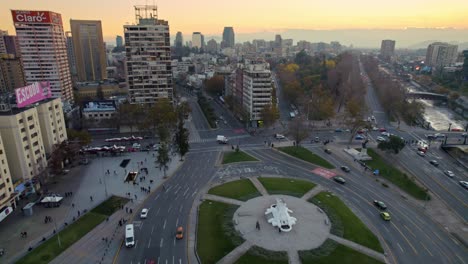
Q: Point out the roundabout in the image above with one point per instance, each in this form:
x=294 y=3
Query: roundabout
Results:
x=279 y=220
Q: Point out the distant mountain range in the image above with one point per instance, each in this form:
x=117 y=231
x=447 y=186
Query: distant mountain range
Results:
x=413 y=38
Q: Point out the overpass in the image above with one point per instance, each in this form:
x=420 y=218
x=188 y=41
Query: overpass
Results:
x=426 y=96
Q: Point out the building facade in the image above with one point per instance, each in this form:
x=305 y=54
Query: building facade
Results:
x=71 y=54
x=11 y=44
x=52 y=123
x=228 y=37
x=179 y=40
x=89 y=50
x=11 y=73
x=212 y=46
x=387 y=49
x=197 y=40
x=7 y=192
x=441 y=54
x=148 y=53
x=43 y=51
x=3 y=49
x=119 y=41
x=257 y=89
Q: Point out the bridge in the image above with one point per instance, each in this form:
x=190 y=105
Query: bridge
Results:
x=426 y=96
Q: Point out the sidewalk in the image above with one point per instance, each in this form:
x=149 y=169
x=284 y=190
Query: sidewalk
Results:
x=84 y=182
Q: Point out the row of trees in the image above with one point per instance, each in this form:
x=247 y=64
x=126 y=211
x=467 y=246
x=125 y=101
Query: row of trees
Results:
x=392 y=95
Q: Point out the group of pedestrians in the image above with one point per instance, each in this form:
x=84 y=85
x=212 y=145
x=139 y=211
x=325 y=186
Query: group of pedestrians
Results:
x=47 y=219
x=146 y=190
x=68 y=194
x=24 y=234
x=128 y=210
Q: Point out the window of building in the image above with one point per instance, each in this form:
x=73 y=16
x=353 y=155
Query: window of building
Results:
x=20 y=121
x=26 y=147
x=30 y=118
x=2 y=185
x=8 y=180
x=35 y=143
x=23 y=130
x=31 y=127
x=29 y=164
x=25 y=138
x=1 y=152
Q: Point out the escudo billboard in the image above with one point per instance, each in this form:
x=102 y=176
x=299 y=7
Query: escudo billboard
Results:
x=32 y=93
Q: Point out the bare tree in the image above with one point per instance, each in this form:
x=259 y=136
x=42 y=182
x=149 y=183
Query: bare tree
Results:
x=298 y=130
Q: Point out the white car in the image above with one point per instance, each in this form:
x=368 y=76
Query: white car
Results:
x=421 y=153
x=144 y=213
x=449 y=173
x=279 y=136
x=385 y=134
x=136 y=145
x=381 y=139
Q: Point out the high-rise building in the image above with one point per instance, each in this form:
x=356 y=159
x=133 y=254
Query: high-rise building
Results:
x=257 y=89
x=3 y=49
x=212 y=46
x=11 y=73
x=70 y=54
x=228 y=37
x=7 y=192
x=11 y=44
x=148 y=54
x=119 y=41
x=89 y=49
x=179 y=40
x=387 y=49
x=465 y=65
x=43 y=50
x=197 y=40
x=441 y=54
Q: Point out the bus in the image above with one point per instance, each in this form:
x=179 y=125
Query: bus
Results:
x=129 y=236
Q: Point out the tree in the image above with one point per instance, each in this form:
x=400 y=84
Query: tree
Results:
x=269 y=115
x=298 y=130
x=130 y=115
x=354 y=116
x=99 y=93
x=82 y=136
x=215 y=85
x=181 y=137
x=163 y=158
x=395 y=144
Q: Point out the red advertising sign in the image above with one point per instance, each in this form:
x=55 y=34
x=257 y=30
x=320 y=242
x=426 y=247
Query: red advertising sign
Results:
x=44 y=17
x=30 y=94
x=324 y=173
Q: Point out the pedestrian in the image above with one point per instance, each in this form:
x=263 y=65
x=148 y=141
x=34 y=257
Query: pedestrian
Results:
x=131 y=211
x=73 y=205
x=25 y=234
x=120 y=222
x=126 y=210
x=100 y=181
x=115 y=173
x=257 y=225
x=164 y=187
x=91 y=198
x=78 y=212
x=136 y=197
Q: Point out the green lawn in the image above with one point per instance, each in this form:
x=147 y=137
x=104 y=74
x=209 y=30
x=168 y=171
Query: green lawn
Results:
x=293 y=187
x=352 y=228
x=396 y=177
x=216 y=236
x=50 y=249
x=331 y=252
x=259 y=255
x=241 y=190
x=306 y=155
x=237 y=156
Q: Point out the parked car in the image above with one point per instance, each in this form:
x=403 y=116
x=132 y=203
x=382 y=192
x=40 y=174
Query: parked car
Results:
x=434 y=162
x=84 y=161
x=359 y=137
x=382 y=129
x=464 y=184
x=385 y=134
x=279 y=136
x=339 y=179
x=317 y=139
x=345 y=168
x=385 y=216
x=328 y=151
x=144 y=213
x=421 y=153
x=449 y=173
x=180 y=232
x=136 y=146
x=381 y=139
x=380 y=204
x=338 y=130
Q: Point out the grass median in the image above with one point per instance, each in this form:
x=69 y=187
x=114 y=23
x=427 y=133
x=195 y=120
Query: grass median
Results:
x=236 y=156
x=344 y=222
x=216 y=236
x=240 y=190
x=331 y=252
x=288 y=186
x=396 y=177
x=306 y=155
x=50 y=249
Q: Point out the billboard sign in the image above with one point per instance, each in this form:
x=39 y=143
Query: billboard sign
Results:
x=32 y=93
x=45 y=17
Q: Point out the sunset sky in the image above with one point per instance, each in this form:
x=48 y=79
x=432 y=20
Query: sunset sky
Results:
x=249 y=16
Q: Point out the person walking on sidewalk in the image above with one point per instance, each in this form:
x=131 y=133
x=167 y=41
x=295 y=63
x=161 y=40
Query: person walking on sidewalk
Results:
x=91 y=198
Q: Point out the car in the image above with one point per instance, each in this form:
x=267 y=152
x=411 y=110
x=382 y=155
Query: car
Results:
x=359 y=137
x=381 y=139
x=84 y=161
x=430 y=137
x=449 y=173
x=421 y=153
x=382 y=129
x=339 y=179
x=385 y=134
x=179 y=232
x=439 y=135
x=434 y=162
x=361 y=131
x=373 y=118
x=456 y=129
x=328 y=151
x=380 y=204
x=385 y=216
x=464 y=184
x=338 y=130
x=144 y=213
x=374 y=128
x=279 y=136
x=345 y=168
x=136 y=146
x=464 y=135
x=65 y=172
x=317 y=139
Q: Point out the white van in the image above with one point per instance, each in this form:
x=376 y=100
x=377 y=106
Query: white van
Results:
x=129 y=236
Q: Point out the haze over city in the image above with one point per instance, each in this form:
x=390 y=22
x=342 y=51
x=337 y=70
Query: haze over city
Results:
x=346 y=21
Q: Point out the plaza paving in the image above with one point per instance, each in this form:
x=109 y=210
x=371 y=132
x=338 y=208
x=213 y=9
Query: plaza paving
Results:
x=84 y=181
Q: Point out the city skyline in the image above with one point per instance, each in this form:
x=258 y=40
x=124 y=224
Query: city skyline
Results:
x=300 y=15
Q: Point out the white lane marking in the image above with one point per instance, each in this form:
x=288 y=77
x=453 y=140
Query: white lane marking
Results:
x=152 y=229
x=149 y=242
x=136 y=243
x=174 y=241
x=194 y=193
x=172 y=259
x=180 y=261
x=141 y=227
x=177 y=222
x=166 y=261
x=170 y=207
x=400 y=247
x=186 y=191
x=158 y=211
x=161 y=243
x=386 y=229
x=164 y=226
x=157 y=196
x=158 y=259
x=180 y=209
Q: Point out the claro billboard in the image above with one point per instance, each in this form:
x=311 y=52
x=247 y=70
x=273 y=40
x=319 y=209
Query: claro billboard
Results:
x=32 y=93
x=43 y=17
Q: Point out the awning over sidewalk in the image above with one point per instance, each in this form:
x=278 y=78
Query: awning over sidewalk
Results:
x=51 y=199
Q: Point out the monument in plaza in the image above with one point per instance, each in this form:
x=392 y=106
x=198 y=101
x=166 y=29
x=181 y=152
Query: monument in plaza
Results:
x=278 y=215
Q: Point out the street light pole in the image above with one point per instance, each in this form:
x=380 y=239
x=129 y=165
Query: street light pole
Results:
x=58 y=233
